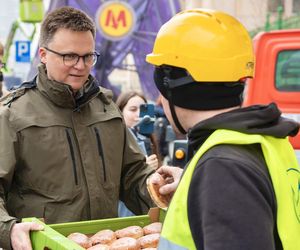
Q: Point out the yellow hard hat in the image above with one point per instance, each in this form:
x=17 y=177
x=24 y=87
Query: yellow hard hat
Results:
x=211 y=45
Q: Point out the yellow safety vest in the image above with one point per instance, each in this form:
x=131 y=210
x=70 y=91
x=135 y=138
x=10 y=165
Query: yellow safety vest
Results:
x=285 y=174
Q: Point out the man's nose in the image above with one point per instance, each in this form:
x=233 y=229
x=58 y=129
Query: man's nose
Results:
x=80 y=64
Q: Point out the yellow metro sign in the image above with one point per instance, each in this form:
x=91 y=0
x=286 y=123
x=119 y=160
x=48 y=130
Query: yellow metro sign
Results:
x=115 y=20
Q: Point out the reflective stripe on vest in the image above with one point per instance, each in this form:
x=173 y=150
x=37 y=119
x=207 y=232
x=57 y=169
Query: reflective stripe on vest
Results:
x=285 y=174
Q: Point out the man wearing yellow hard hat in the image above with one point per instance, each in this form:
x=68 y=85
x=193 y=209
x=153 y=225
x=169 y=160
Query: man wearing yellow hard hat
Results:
x=238 y=190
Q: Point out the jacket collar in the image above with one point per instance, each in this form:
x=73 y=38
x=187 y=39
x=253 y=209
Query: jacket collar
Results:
x=256 y=119
x=61 y=94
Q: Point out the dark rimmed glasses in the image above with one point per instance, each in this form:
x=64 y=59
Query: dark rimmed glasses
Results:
x=71 y=59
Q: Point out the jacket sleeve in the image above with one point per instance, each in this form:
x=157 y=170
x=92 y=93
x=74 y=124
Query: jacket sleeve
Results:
x=8 y=140
x=135 y=172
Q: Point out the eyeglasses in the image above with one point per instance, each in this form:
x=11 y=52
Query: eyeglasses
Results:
x=72 y=59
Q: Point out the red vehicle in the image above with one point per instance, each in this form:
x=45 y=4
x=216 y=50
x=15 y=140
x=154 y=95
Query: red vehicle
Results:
x=277 y=74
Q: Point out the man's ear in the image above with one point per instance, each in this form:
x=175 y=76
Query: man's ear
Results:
x=43 y=55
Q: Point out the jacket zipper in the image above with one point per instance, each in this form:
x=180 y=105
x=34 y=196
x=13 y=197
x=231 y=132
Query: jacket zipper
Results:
x=72 y=156
x=100 y=151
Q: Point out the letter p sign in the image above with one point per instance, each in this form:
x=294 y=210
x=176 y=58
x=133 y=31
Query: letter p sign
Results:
x=23 y=51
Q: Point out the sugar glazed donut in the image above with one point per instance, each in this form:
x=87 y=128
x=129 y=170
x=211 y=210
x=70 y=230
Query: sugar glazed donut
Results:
x=150 y=240
x=125 y=243
x=161 y=201
x=103 y=237
x=80 y=239
x=99 y=247
x=152 y=228
x=132 y=231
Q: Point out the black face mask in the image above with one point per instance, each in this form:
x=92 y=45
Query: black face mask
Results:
x=1 y=76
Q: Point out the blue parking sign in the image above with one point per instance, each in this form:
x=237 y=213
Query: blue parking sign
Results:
x=23 y=51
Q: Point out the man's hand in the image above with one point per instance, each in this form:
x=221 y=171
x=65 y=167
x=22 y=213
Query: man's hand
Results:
x=152 y=161
x=172 y=176
x=19 y=236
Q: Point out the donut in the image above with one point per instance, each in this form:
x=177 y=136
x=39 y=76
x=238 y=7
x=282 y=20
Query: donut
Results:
x=80 y=239
x=99 y=247
x=125 y=243
x=132 y=231
x=103 y=237
x=150 y=240
x=162 y=201
x=152 y=228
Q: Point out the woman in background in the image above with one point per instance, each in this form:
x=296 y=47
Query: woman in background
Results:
x=129 y=103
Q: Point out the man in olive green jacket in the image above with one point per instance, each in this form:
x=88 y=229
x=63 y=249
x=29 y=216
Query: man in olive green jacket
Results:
x=65 y=153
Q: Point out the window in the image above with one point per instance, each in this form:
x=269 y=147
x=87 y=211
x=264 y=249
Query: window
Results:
x=274 y=4
x=296 y=6
x=287 y=76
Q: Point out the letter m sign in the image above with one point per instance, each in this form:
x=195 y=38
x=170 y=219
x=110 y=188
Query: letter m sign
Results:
x=115 y=20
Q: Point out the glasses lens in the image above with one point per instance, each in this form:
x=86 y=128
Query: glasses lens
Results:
x=90 y=60
x=70 y=59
